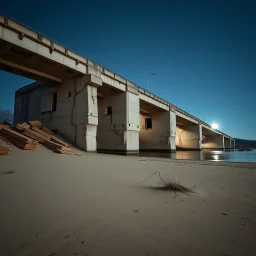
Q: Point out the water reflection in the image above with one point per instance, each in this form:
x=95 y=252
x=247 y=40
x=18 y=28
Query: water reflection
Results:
x=210 y=155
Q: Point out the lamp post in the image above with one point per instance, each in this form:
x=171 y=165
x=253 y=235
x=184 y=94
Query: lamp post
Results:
x=147 y=78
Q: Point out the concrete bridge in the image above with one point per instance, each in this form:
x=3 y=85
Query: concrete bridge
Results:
x=92 y=106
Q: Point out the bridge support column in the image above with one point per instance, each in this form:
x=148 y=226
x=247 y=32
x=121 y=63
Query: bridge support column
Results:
x=189 y=137
x=160 y=135
x=85 y=112
x=227 y=143
x=233 y=144
x=214 y=142
x=118 y=129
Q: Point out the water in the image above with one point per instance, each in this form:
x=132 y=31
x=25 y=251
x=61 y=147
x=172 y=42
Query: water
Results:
x=212 y=155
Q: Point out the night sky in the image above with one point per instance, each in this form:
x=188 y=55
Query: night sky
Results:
x=203 y=52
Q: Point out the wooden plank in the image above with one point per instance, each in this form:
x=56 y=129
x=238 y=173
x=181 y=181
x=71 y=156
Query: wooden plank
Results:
x=58 y=141
x=41 y=132
x=55 y=145
x=19 y=143
x=36 y=123
x=17 y=135
x=37 y=134
x=52 y=144
x=4 y=126
x=63 y=152
x=33 y=136
x=4 y=150
x=30 y=147
x=19 y=127
x=47 y=130
x=22 y=126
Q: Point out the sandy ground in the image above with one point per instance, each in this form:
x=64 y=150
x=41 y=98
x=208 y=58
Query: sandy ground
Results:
x=89 y=204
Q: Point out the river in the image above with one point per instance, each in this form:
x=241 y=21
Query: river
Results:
x=212 y=155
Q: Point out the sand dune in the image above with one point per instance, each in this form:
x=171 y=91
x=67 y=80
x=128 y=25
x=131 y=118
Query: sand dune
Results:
x=89 y=204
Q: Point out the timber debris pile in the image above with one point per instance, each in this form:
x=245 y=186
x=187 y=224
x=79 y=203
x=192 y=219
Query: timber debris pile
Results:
x=27 y=135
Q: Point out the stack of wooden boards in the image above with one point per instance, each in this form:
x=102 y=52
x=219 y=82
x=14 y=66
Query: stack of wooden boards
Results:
x=18 y=139
x=4 y=150
x=28 y=134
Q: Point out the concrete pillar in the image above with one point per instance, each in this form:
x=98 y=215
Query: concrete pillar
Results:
x=161 y=136
x=227 y=143
x=233 y=143
x=85 y=112
x=189 y=137
x=118 y=129
x=214 y=141
x=131 y=134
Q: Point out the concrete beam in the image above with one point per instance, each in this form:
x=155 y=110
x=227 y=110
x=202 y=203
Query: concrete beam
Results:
x=153 y=102
x=29 y=70
x=210 y=129
x=112 y=82
x=34 y=42
x=186 y=117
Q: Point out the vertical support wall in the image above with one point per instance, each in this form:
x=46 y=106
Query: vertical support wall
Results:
x=214 y=142
x=85 y=117
x=161 y=137
x=76 y=117
x=75 y=114
x=132 y=122
x=233 y=143
x=118 y=131
x=227 y=143
x=189 y=137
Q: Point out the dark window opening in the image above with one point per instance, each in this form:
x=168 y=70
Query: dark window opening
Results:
x=54 y=101
x=108 y=111
x=148 y=123
x=69 y=94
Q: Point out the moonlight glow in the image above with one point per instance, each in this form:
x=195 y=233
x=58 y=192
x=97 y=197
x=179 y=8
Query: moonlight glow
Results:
x=215 y=126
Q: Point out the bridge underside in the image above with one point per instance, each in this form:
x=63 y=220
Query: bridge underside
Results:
x=93 y=107
x=188 y=134
x=212 y=140
x=157 y=128
x=20 y=61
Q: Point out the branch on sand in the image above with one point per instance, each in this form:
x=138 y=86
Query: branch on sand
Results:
x=170 y=185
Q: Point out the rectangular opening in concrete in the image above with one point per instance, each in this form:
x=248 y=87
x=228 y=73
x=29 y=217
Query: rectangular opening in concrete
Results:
x=212 y=139
x=188 y=134
x=155 y=128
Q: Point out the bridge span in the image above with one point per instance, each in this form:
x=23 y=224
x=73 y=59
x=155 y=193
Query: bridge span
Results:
x=90 y=105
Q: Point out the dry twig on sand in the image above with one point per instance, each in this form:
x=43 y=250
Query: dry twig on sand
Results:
x=170 y=185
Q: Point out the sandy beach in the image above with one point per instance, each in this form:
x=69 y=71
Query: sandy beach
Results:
x=91 y=204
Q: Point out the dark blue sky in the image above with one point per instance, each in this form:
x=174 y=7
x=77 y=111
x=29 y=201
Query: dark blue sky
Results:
x=201 y=51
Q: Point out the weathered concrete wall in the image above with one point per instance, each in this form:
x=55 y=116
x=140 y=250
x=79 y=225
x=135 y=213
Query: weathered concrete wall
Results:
x=76 y=114
x=162 y=134
x=61 y=119
x=118 y=131
x=189 y=137
x=227 y=143
x=27 y=102
x=214 y=141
